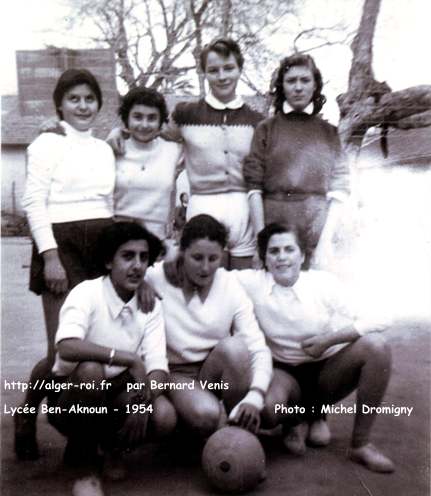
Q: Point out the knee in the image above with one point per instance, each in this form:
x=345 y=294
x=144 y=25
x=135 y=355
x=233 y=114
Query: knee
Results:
x=232 y=351
x=164 y=418
x=375 y=346
x=205 y=418
x=88 y=372
x=269 y=417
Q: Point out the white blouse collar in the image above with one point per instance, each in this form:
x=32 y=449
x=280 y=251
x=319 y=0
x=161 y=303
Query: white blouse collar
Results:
x=234 y=104
x=287 y=108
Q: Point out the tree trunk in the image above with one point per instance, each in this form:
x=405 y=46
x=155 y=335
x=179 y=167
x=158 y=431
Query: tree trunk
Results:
x=369 y=103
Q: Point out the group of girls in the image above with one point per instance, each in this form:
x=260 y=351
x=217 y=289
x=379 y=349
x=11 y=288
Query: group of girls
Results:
x=268 y=189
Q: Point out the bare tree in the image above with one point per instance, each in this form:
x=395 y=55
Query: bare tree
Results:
x=157 y=42
x=367 y=102
x=150 y=38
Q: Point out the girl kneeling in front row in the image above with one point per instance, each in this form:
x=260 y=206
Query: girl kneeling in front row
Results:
x=321 y=352
x=212 y=334
x=104 y=340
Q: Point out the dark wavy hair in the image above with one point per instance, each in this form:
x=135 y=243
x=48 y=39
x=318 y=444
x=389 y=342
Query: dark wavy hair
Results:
x=118 y=233
x=203 y=227
x=298 y=59
x=223 y=47
x=71 y=78
x=143 y=96
x=199 y=227
x=277 y=228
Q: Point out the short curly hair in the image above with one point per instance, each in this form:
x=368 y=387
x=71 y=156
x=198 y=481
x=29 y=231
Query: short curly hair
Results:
x=143 y=96
x=278 y=228
x=223 y=47
x=119 y=233
x=298 y=59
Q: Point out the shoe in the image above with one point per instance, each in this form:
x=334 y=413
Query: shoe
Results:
x=26 y=447
x=319 y=433
x=87 y=486
x=114 y=467
x=294 y=440
x=372 y=458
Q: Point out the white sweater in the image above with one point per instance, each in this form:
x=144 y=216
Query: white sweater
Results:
x=145 y=180
x=69 y=178
x=193 y=329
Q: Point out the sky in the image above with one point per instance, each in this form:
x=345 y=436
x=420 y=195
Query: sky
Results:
x=401 y=37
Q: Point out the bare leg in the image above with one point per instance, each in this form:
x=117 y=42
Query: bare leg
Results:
x=25 y=425
x=283 y=391
x=229 y=362
x=365 y=365
x=158 y=424
x=200 y=408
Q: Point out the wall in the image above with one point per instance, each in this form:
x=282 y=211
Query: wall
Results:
x=13 y=178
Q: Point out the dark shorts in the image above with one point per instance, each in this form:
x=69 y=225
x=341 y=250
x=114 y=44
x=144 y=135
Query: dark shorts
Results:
x=115 y=419
x=77 y=243
x=188 y=370
x=307 y=376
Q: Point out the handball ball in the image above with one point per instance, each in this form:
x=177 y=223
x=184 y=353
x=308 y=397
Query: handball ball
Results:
x=233 y=460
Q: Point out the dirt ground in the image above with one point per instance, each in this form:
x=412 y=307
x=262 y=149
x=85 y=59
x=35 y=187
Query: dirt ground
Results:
x=158 y=470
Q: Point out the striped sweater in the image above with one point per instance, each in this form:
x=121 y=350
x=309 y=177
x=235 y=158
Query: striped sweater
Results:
x=215 y=142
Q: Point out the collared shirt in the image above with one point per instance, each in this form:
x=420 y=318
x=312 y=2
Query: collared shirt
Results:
x=216 y=138
x=215 y=103
x=94 y=312
x=70 y=178
x=287 y=108
x=193 y=329
x=315 y=304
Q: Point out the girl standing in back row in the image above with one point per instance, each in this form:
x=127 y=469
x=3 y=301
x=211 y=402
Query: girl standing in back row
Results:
x=68 y=201
x=296 y=171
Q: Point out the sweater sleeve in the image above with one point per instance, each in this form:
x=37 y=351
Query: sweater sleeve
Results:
x=153 y=345
x=254 y=162
x=172 y=131
x=344 y=311
x=75 y=314
x=339 y=186
x=247 y=328
x=41 y=158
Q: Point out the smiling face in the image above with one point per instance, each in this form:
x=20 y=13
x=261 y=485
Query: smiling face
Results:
x=222 y=74
x=79 y=107
x=298 y=86
x=201 y=260
x=128 y=267
x=144 y=122
x=284 y=258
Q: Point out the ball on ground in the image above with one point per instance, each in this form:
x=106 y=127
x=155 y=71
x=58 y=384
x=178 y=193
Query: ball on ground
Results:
x=233 y=460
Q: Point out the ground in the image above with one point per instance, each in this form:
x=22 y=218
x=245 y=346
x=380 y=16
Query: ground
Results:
x=404 y=260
